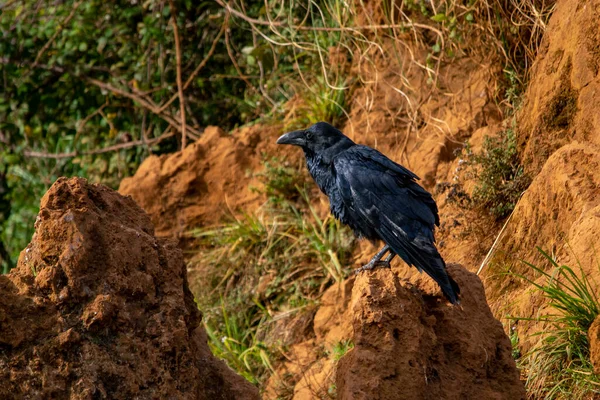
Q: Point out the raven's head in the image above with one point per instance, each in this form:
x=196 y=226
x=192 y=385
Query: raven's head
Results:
x=319 y=137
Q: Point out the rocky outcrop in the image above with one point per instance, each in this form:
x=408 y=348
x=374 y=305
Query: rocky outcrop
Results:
x=208 y=180
x=409 y=343
x=594 y=339
x=99 y=308
x=412 y=345
x=558 y=130
x=561 y=102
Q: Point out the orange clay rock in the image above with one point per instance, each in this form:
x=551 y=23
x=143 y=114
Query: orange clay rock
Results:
x=411 y=345
x=594 y=338
x=562 y=97
x=210 y=179
x=98 y=308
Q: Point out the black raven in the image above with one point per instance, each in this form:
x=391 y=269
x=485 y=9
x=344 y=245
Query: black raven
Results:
x=377 y=198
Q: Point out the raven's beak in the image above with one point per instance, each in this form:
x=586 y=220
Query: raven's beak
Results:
x=296 y=138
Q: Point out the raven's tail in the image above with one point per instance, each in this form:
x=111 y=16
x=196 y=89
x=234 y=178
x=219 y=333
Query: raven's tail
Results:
x=454 y=293
x=449 y=287
x=421 y=253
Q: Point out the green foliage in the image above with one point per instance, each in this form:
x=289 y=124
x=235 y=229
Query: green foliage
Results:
x=499 y=174
x=89 y=89
x=279 y=259
x=514 y=342
x=323 y=103
x=281 y=181
x=340 y=349
x=559 y=367
x=239 y=346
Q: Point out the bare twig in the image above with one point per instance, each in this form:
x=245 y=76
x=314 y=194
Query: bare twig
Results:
x=179 y=83
x=81 y=124
x=200 y=66
x=144 y=102
x=235 y=64
x=8 y=4
x=120 y=146
x=493 y=248
x=356 y=29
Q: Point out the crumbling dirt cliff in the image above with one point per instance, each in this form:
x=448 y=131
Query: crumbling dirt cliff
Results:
x=558 y=131
x=463 y=349
x=99 y=308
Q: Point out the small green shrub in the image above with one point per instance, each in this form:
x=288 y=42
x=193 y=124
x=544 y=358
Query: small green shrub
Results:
x=237 y=344
x=340 y=349
x=500 y=176
x=281 y=181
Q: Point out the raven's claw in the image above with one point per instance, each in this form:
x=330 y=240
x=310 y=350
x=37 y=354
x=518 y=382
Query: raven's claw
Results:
x=372 y=265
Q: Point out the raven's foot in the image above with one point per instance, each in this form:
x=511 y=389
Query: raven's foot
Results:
x=372 y=265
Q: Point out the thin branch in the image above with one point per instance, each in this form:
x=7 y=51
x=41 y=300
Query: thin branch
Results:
x=200 y=66
x=357 y=29
x=178 y=78
x=235 y=64
x=120 y=146
x=144 y=102
x=82 y=123
x=6 y=5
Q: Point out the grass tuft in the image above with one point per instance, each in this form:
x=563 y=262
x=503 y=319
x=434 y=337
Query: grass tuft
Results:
x=259 y=266
x=340 y=349
x=558 y=366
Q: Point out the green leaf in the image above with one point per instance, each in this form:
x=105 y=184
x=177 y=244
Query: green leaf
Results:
x=440 y=17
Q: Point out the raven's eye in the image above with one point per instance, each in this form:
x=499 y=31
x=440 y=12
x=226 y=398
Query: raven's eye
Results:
x=309 y=135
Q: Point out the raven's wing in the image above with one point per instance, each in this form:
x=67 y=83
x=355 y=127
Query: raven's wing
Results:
x=385 y=197
x=403 y=175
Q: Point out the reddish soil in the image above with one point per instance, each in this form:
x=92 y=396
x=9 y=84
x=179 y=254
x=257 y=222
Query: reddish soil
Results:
x=207 y=181
x=214 y=176
x=410 y=345
x=99 y=308
x=398 y=114
x=558 y=131
x=594 y=339
x=564 y=91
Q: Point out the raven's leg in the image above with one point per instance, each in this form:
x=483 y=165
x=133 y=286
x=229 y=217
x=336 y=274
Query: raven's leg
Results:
x=386 y=263
x=376 y=260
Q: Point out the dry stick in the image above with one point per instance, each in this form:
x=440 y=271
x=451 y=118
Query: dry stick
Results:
x=179 y=84
x=235 y=64
x=120 y=146
x=200 y=66
x=144 y=102
x=61 y=26
x=489 y=254
x=262 y=72
x=254 y=21
x=87 y=119
x=6 y=5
